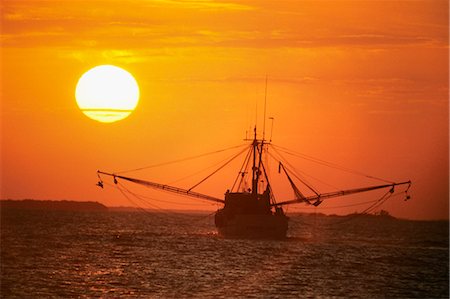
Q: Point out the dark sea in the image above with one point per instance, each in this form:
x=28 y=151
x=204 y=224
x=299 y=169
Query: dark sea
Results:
x=145 y=255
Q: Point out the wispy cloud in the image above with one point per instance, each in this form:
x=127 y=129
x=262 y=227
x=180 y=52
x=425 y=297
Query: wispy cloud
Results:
x=166 y=23
x=201 y=4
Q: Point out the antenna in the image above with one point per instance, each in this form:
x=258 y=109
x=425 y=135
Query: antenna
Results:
x=256 y=114
x=271 y=129
x=265 y=107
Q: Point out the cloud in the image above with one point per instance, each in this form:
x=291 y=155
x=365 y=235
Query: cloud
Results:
x=191 y=23
x=93 y=56
x=201 y=4
x=31 y=10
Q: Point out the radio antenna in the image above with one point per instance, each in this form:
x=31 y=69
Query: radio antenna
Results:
x=271 y=130
x=265 y=107
x=256 y=114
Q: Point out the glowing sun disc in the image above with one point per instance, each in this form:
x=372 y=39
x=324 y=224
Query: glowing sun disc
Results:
x=107 y=93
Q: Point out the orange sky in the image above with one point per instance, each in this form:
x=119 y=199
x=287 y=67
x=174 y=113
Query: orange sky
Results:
x=361 y=83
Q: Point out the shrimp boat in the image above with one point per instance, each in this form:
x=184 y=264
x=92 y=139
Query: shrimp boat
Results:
x=252 y=212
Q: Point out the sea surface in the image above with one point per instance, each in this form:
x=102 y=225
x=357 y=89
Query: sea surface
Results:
x=151 y=255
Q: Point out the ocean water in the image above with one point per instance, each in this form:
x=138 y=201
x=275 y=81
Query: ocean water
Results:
x=131 y=254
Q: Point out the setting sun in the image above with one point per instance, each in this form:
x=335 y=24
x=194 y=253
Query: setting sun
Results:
x=107 y=93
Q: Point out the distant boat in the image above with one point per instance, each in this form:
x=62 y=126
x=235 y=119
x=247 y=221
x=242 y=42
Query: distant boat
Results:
x=253 y=212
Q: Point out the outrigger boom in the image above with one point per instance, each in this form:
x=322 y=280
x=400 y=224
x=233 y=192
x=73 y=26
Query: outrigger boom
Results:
x=318 y=198
x=163 y=187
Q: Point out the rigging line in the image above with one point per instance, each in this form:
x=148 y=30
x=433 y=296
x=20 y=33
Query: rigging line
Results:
x=244 y=165
x=292 y=170
x=379 y=202
x=295 y=175
x=259 y=151
x=246 y=169
x=351 y=217
x=383 y=198
x=272 y=196
x=123 y=189
x=214 y=172
x=377 y=205
x=179 y=160
x=200 y=171
x=130 y=200
x=304 y=173
x=172 y=202
x=344 y=206
x=140 y=197
x=297 y=192
x=185 y=218
x=161 y=211
x=167 y=188
x=266 y=168
x=389 y=197
x=328 y=164
x=335 y=207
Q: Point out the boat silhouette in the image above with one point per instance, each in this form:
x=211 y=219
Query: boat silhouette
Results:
x=252 y=212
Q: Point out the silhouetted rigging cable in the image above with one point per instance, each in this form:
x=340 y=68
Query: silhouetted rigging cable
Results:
x=123 y=189
x=352 y=216
x=326 y=163
x=340 y=207
x=266 y=175
x=379 y=202
x=188 y=219
x=200 y=171
x=161 y=211
x=172 y=202
x=298 y=172
x=141 y=198
x=243 y=168
x=180 y=160
x=214 y=172
x=303 y=181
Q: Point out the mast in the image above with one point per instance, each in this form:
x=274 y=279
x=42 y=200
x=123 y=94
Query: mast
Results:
x=259 y=149
x=257 y=163
x=265 y=109
x=254 y=168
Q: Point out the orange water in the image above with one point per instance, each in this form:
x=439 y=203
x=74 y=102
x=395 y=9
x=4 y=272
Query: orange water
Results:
x=118 y=254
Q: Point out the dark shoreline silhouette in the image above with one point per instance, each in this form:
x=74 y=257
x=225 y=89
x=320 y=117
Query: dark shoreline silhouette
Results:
x=52 y=205
x=71 y=205
x=86 y=206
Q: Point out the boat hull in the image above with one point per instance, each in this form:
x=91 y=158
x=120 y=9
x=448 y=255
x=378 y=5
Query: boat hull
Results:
x=247 y=226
